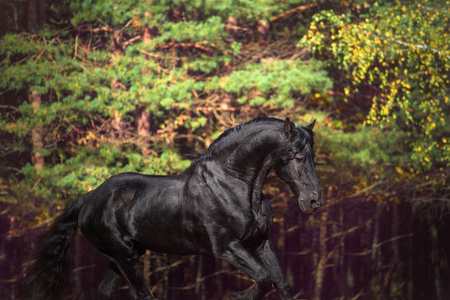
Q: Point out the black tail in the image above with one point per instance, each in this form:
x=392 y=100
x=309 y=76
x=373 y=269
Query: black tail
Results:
x=48 y=274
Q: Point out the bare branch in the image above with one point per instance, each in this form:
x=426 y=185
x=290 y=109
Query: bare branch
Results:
x=369 y=251
x=293 y=11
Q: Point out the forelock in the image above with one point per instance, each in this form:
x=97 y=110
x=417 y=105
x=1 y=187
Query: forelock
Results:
x=302 y=137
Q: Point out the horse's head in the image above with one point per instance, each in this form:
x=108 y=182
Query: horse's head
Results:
x=295 y=166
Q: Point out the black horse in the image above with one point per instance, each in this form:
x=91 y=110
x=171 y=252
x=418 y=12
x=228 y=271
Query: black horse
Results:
x=216 y=205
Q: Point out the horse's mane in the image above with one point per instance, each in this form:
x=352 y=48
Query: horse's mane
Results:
x=228 y=136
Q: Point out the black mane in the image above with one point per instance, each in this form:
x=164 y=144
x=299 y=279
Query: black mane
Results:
x=245 y=126
x=300 y=138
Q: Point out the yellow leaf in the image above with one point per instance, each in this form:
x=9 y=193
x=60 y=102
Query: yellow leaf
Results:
x=399 y=170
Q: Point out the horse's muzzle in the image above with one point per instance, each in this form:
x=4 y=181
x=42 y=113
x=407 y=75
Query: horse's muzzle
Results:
x=310 y=206
x=314 y=205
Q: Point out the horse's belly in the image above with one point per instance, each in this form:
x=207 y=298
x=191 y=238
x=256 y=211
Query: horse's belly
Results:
x=171 y=231
x=175 y=243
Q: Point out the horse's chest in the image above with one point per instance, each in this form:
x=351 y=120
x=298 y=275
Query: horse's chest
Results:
x=262 y=222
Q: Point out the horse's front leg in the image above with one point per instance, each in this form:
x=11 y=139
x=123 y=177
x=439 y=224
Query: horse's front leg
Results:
x=238 y=256
x=267 y=256
x=109 y=282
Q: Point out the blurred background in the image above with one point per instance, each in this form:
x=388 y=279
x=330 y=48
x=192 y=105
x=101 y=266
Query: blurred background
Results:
x=89 y=89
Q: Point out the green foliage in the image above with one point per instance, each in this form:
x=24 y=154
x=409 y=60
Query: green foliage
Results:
x=351 y=161
x=275 y=83
x=132 y=86
x=97 y=65
x=95 y=74
x=404 y=50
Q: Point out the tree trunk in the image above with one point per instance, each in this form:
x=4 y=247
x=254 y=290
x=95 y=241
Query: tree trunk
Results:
x=115 y=84
x=142 y=119
x=147 y=267
x=320 y=272
x=36 y=14
x=263 y=31
x=396 y=281
x=435 y=258
x=42 y=13
x=141 y=116
x=411 y=262
x=198 y=286
x=32 y=15
x=36 y=134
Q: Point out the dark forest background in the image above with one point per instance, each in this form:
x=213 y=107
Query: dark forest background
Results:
x=92 y=88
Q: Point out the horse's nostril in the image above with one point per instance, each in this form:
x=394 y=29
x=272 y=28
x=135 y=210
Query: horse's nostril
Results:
x=314 y=204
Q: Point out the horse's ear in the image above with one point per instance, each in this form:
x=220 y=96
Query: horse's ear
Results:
x=287 y=126
x=311 y=126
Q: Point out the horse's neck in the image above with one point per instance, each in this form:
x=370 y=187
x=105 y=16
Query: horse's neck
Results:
x=258 y=184
x=250 y=160
x=246 y=154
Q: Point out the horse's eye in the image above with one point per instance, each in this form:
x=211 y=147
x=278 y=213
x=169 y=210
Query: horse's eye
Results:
x=301 y=159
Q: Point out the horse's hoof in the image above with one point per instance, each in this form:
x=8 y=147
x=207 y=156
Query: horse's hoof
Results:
x=236 y=296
